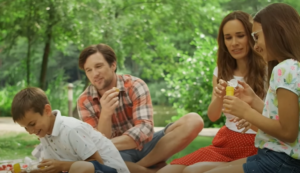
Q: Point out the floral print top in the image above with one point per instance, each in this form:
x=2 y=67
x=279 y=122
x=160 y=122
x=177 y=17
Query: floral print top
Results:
x=285 y=75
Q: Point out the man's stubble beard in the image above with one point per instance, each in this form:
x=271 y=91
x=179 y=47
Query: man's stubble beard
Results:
x=106 y=84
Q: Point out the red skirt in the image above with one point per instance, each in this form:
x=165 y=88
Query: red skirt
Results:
x=226 y=146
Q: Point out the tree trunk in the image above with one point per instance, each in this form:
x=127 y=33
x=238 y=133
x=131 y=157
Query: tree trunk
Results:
x=47 y=49
x=28 y=60
x=45 y=60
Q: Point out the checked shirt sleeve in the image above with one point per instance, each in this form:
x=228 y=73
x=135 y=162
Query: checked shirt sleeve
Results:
x=85 y=114
x=142 y=111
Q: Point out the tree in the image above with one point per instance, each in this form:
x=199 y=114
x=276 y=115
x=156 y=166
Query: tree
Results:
x=190 y=87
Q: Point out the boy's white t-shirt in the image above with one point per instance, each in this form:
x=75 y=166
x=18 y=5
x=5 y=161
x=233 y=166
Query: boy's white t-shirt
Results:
x=74 y=140
x=232 y=125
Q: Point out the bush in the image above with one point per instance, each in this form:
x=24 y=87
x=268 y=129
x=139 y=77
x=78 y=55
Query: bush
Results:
x=190 y=87
x=6 y=96
x=157 y=92
x=57 y=94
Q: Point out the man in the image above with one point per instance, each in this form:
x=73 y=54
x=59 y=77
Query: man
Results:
x=125 y=114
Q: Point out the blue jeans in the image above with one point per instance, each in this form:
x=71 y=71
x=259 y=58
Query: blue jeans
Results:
x=99 y=168
x=268 y=161
x=134 y=155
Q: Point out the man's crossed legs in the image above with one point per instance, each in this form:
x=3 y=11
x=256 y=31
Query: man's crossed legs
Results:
x=165 y=143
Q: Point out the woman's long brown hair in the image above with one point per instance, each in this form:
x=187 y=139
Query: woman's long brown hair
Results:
x=256 y=75
x=281 y=26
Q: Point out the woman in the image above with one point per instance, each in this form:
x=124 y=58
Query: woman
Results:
x=236 y=59
x=276 y=31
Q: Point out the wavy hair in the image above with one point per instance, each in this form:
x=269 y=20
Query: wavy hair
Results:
x=256 y=75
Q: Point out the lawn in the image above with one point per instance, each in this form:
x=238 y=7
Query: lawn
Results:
x=19 y=145
x=16 y=145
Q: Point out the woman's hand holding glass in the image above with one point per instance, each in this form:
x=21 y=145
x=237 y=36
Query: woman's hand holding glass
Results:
x=220 y=89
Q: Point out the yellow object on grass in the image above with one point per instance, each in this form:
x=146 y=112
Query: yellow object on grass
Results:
x=17 y=168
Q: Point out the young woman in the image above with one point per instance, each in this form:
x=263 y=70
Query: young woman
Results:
x=276 y=31
x=236 y=59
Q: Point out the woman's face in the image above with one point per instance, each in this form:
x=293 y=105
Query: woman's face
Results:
x=236 y=39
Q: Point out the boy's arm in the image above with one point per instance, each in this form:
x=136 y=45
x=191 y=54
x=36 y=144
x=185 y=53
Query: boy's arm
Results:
x=50 y=165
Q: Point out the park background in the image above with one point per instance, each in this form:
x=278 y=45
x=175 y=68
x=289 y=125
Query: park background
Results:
x=170 y=44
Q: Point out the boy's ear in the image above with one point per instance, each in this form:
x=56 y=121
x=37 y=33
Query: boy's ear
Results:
x=48 y=109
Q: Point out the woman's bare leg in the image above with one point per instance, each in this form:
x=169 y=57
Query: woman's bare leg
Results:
x=202 y=167
x=234 y=166
x=172 y=169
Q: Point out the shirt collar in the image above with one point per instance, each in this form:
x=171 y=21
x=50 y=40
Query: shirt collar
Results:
x=120 y=83
x=57 y=123
x=92 y=91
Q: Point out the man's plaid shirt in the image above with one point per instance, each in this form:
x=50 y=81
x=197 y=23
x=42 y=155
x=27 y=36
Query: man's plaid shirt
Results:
x=133 y=116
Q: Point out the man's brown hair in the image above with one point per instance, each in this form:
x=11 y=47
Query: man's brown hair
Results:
x=30 y=98
x=107 y=52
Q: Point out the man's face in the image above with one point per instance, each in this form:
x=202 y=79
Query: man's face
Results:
x=99 y=72
x=35 y=123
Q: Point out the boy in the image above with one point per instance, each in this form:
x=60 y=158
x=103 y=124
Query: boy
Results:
x=65 y=140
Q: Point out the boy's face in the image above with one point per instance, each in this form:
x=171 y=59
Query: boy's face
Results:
x=35 y=123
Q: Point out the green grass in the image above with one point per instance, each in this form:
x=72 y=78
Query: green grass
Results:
x=19 y=145
x=16 y=145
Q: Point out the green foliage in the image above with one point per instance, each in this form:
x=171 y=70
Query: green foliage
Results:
x=6 y=96
x=190 y=87
x=57 y=94
x=150 y=37
x=251 y=7
x=157 y=90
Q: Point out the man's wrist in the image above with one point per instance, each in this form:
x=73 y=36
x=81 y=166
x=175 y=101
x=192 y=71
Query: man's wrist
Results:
x=106 y=114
